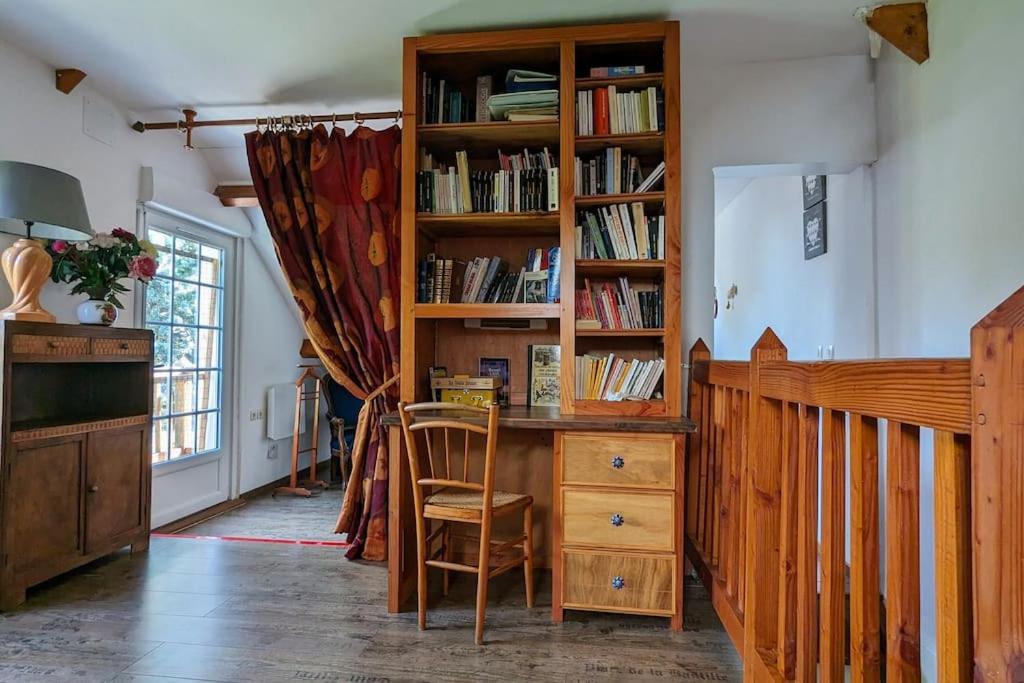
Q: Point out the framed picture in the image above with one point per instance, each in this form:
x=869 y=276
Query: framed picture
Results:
x=544 y=375
x=535 y=287
x=815 y=231
x=814 y=190
x=497 y=367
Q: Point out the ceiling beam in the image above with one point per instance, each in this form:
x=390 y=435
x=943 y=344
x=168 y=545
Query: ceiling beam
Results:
x=237 y=195
x=905 y=26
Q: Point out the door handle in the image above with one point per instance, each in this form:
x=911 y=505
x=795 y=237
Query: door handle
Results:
x=94 y=488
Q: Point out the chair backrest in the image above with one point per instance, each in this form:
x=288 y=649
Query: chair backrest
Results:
x=444 y=419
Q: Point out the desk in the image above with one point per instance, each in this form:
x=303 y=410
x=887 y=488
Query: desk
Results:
x=547 y=429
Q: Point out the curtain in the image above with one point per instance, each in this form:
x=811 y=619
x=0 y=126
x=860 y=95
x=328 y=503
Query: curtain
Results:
x=331 y=201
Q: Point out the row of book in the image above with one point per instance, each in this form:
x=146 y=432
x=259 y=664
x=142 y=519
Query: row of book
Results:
x=605 y=111
x=620 y=231
x=525 y=182
x=443 y=103
x=611 y=172
x=622 y=306
x=612 y=378
x=490 y=279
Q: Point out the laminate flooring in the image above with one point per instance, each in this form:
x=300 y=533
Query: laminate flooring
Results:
x=278 y=517
x=232 y=611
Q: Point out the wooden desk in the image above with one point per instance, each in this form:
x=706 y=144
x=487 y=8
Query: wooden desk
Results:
x=539 y=433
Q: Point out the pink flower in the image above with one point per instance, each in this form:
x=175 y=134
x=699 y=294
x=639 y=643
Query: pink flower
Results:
x=59 y=246
x=142 y=268
x=122 y=234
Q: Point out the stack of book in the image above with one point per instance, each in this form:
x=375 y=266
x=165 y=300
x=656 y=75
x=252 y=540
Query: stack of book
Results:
x=610 y=378
x=611 y=172
x=526 y=182
x=621 y=306
x=620 y=231
x=605 y=111
x=490 y=280
x=442 y=103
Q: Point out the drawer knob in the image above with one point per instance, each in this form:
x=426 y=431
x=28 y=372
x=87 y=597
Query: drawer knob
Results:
x=618 y=583
x=94 y=488
x=52 y=344
x=124 y=345
x=618 y=462
x=618 y=520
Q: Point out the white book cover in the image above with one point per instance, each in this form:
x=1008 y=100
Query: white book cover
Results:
x=627 y=228
x=553 y=188
x=516 y=190
x=652 y=105
x=661 y=237
x=614 y=231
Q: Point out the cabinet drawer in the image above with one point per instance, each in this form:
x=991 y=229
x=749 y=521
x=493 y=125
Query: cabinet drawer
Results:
x=47 y=345
x=613 y=519
x=641 y=461
x=628 y=583
x=120 y=347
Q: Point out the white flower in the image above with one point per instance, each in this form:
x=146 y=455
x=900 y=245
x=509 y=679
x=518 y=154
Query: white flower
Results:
x=104 y=240
x=82 y=246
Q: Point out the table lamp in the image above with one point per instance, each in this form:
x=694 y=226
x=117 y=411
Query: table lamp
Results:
x=36 y=201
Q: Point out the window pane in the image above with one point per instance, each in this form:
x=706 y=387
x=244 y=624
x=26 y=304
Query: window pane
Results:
x=209 y=390
x=162 y=241
x=161 y=393
x=183 y=392
x=158 y=301
x=183 y=347
x=186 y=303
x=183 y=436
x=211 y=263
x=186 y=259
x=209 y=306
x=207 y=431
x=209 y=348
x=160 y=453
x=161 y=345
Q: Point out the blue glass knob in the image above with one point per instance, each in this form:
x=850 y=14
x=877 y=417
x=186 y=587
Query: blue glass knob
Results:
x=617 y=520
x=618 y=463
x=618 y=583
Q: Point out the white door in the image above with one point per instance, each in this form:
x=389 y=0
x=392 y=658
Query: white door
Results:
x=189 y=307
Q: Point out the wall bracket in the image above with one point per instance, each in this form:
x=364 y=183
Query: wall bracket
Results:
x=68 y=79
x=904 y=26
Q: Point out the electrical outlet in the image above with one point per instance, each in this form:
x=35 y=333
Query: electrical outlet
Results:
x=272 y=452
x=255 y=415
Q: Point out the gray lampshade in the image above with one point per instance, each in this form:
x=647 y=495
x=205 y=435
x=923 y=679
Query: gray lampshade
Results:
x=51 y=200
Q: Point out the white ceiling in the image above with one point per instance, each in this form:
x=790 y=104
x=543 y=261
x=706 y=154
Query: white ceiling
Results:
x=235 y=58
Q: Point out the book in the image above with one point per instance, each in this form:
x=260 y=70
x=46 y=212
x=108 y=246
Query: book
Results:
x=443 y=103
x=484 y=88
x=525 y=182
x=615 y=71
x=500 y=105
x=554 y=275
x=613 y=378
x=535 y=287
x=634 y=111
x=620 y=231
x=522 y=80
x=497 y=367
x=544 y=364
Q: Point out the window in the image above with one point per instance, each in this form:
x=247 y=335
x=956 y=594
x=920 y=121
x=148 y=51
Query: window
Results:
x=184 y=306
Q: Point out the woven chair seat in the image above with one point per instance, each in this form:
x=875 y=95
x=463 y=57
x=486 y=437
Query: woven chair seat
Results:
x=472 y=500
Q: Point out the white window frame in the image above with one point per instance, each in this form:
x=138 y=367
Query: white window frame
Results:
x=184 y=227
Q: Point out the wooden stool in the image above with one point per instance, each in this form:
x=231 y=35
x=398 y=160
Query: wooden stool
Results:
x=460 y=500
x=294 y=488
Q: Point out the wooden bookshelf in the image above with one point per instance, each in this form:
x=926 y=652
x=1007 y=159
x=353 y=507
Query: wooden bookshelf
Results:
x=432 y=334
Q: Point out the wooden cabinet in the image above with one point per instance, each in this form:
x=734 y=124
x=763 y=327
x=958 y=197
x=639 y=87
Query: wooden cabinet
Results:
x=619 y=508
x=74 y=460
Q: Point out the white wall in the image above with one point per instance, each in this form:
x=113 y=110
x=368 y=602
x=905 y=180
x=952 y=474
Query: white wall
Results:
x=40 y=125
x=801 y=111
x=827 y=300
x=948 y=200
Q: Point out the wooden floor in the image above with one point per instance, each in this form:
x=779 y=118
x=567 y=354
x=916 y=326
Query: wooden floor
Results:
x=230 y=611
x=279 y=517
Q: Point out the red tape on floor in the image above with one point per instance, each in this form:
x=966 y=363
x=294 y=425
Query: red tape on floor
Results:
x=248 y=539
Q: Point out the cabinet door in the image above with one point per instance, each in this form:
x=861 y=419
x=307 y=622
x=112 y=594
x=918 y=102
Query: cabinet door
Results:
x=114 y=477
x=42 y=502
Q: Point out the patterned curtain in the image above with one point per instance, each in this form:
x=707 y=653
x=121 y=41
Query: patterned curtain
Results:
x=331 y=201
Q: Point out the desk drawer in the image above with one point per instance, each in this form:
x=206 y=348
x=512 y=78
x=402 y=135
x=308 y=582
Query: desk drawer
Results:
x=613 y=519
x=49 y=345
x=627 y=583
x=605 y=460
x=120 y=347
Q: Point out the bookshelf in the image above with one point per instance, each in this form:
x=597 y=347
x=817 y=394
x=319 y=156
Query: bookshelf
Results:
x=433 y=333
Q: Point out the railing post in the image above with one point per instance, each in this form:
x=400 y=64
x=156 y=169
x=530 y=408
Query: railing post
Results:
x=997 y=491
x=764 y=479
x=699 y=354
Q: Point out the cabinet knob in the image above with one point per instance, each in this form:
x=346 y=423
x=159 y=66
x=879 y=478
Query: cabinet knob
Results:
x=94 y=488
x=618 y=583
x=617 y=520
x=618 y=462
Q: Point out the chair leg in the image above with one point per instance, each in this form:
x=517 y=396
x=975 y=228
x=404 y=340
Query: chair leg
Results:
x=421 y=573
x=528 y=552
x=482 y=575
x=446 y=539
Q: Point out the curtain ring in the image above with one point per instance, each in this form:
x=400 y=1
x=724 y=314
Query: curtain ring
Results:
x=334 y=121
x=398 y=115
x=359 y=121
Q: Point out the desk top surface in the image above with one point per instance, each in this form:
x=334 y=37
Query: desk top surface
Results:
x=521 y=417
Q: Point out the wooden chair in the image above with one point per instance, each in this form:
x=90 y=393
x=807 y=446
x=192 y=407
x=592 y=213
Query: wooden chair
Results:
x=458 y=500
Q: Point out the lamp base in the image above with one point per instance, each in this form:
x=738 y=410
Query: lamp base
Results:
x=27 y=267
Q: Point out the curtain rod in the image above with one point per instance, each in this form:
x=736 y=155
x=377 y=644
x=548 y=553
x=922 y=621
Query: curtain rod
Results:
x=190 y=122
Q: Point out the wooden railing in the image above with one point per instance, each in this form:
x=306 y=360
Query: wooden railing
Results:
x=788 y=594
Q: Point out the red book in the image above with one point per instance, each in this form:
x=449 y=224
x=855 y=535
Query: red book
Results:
x=601 y=111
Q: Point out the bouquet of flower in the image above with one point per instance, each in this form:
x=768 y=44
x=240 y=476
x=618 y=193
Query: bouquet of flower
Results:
x=96 y=266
